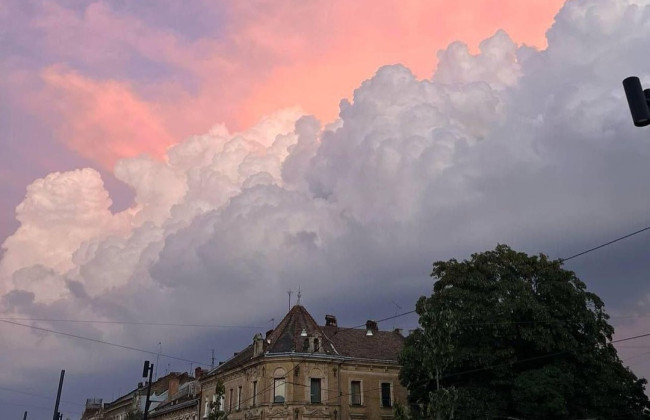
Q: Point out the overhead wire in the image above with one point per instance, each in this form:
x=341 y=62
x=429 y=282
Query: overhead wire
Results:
x=108 y=343
x=606 y=244
x=158 y=324
x=31 y=394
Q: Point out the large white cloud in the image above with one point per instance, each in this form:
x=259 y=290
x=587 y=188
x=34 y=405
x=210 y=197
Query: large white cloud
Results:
x=513 y=145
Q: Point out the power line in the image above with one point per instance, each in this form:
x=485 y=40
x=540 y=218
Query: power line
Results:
x=379 y=320
x=630 y=338
x=108 y=343
x=162 y=324
x=606 y=244
x=545 y=356
x=31 y=394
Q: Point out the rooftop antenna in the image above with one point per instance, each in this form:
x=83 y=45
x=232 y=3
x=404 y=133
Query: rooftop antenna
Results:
x=212 y=364
x=299 y=294
x=397 y=308
x=155 y=376
x=289 y=292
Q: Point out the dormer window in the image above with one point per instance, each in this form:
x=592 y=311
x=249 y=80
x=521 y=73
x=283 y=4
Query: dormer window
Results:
x=316 y=345
x=305 y=345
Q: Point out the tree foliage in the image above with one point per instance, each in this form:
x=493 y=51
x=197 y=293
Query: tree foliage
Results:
x=507 y=335
x=217 y=412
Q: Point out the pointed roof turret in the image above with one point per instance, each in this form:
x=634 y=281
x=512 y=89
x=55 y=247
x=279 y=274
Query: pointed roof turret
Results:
x=298 y=332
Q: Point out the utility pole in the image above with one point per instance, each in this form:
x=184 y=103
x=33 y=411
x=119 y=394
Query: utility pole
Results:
x=147 y=370
x=56 y=415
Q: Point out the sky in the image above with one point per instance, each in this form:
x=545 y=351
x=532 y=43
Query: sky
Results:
x=191 y=163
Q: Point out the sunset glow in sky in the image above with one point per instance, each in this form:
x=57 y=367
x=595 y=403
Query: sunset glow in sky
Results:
x=208 y=156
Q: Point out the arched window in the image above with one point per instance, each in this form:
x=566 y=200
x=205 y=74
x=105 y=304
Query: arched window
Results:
x=279 y=386
x=316 y=345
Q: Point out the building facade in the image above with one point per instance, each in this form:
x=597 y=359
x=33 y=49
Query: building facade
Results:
x=134 y=401
x=182 y=403
x=301 y=370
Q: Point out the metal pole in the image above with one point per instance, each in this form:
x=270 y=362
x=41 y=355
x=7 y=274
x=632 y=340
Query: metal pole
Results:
x=58 y=397
x=146 y=404
x=25 y=416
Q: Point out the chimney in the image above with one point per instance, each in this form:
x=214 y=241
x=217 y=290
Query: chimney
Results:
x=258 y=345
x=398 y=331
x=371 y=325
x=172 y=387
x=198 y=372
x=268 y=334
x=140 y=385
x=330 y=321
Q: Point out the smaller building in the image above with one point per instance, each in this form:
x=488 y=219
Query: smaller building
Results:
x=134 y=401
x=93 y=409
x=182 y=403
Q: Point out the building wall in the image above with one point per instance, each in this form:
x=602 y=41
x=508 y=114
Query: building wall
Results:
x=187 y=413
x=370 y=376
x=335 y=378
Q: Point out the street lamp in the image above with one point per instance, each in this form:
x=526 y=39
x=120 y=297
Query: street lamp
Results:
x=638 y=100
x=147 y=370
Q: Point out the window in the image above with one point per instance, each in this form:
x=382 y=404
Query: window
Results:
x=213 y=406
x=230 y=401
x=206 y=409
x=254 y=393
x=239 y=398
x=278 y=390
x=305 y=345
x=315 y=390
x=222 y=403
x=316 y=345
x=355 y=392
x=385 y=394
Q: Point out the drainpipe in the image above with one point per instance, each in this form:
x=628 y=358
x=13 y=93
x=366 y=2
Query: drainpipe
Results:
x=340 y=392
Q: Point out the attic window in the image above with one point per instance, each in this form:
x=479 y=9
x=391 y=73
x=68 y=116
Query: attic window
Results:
x=316 y=345
x=305 y=345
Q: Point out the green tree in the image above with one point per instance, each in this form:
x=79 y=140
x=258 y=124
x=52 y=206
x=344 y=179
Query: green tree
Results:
x=507 y=335
x=217 y=412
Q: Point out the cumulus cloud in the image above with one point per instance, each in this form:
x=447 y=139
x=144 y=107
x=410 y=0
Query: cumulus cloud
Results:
x=513 y=145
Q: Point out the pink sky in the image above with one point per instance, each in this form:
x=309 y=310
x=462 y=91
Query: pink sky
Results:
x=88 y=83
x=266 y=56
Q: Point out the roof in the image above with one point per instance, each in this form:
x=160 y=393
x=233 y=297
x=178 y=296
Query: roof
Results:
x=334 y=341
x=174 y=405
x=382 y=345
x=157 y=387
x=287 y=336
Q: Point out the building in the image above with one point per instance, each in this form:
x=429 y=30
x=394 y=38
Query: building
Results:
x=135 y=400
x=182 y=403
x=93 y=409
x=301 y=370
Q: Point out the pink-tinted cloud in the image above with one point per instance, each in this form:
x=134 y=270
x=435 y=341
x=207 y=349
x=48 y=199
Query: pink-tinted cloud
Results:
x=135 y=88
x=103 y=121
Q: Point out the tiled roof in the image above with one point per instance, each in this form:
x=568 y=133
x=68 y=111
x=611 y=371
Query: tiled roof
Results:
x=334 y=341
x=237 y=360
x=287 y=336
x=382 y=345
